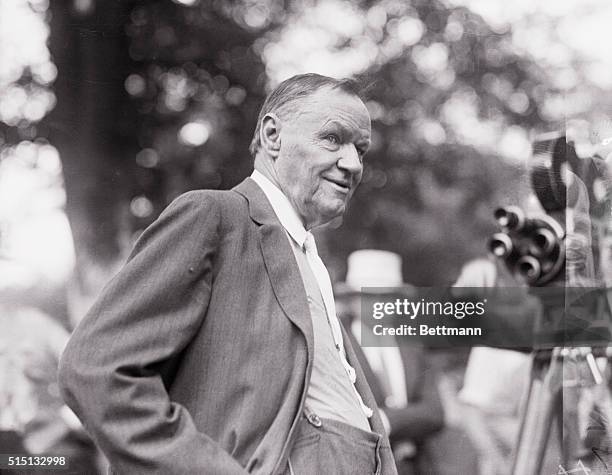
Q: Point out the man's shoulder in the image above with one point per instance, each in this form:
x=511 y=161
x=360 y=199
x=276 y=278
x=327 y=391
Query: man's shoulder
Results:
x=246 y=200
x=208 y=200
x=197 y=214
x=206 y=197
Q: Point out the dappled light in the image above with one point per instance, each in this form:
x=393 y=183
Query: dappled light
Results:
x=36 y=241
x=24 y=53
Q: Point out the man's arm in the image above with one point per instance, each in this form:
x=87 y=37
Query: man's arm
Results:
x=110 y=371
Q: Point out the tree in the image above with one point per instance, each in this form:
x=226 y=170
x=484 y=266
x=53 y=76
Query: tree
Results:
x=153 y=99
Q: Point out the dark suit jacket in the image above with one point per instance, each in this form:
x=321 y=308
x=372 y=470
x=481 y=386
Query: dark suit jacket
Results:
x=197 y=356
x=424 y=414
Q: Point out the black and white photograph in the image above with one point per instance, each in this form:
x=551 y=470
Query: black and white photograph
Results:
x=306 y=237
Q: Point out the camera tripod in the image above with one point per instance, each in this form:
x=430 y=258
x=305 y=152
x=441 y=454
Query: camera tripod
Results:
x=558 y=375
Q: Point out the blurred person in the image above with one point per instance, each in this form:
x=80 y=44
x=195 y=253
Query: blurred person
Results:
x=495 y=381
x=401 y=379
x=217 y=349
x=33 y=418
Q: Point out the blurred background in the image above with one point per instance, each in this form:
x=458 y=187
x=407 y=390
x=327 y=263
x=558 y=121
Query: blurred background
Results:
x=109 y=110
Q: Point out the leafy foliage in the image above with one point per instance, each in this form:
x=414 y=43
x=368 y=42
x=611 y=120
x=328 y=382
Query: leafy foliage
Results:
x=169 y=104
x=428 y=192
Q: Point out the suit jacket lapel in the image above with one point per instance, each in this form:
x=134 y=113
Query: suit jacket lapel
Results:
x=367 y=369
x=283 y=271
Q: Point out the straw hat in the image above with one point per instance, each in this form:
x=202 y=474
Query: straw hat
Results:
x=380 y=271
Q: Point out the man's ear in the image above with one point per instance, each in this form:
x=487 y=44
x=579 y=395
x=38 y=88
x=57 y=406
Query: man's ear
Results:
x=269 y=135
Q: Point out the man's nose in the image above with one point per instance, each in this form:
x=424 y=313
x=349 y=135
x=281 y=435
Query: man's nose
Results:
x=349 y=160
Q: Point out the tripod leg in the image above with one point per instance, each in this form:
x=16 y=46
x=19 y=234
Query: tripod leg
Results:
x=543 y=400
x=598 y=438
x=569 y=433
x=574 y=387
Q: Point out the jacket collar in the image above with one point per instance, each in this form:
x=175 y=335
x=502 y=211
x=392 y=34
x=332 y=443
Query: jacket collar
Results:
x=284 y=210
x=260 y=209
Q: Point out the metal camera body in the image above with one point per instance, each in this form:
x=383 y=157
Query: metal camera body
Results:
x=532 y=247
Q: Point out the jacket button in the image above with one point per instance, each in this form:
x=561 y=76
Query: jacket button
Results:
x=314 y=420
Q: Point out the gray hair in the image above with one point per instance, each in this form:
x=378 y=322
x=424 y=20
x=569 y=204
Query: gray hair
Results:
x=295 y=88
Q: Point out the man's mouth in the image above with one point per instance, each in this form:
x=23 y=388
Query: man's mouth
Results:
x=340 y=185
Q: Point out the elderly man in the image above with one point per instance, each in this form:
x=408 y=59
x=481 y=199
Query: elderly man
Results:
x=217 y=348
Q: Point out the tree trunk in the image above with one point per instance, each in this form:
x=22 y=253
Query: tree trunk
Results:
x=89 y=49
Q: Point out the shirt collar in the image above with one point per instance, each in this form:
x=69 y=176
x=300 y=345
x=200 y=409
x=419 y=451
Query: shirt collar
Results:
x=285 y=213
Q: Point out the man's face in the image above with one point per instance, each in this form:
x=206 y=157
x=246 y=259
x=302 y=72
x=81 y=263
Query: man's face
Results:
x=323 y=141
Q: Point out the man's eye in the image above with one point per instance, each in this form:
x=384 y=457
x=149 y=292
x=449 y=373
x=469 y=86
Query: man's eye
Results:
x=333 y=139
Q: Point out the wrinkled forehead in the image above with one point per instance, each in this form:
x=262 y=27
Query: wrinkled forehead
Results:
x=330 y=104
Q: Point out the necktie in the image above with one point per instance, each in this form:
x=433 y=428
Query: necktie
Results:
x=322 y=276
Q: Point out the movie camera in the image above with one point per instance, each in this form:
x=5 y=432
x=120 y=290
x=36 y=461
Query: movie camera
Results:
x=535 y=247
